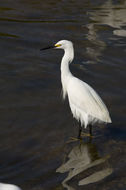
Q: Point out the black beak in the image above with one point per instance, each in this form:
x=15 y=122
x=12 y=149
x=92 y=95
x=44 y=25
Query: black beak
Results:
x=50 y=47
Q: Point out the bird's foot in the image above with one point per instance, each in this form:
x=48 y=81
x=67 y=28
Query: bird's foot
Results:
x=86 y=135
x=73 y=139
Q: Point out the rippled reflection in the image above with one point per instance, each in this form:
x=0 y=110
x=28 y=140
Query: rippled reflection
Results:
x=94 y=51
x=110 y=14
x=81 y=158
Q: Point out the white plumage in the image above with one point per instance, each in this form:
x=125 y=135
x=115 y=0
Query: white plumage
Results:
x=4 y=186
x=86 y=105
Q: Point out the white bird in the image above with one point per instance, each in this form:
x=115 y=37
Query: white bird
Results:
x=4 y=186
x=85 y=104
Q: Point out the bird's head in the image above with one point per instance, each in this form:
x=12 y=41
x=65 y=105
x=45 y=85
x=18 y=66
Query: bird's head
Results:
x=62 y=44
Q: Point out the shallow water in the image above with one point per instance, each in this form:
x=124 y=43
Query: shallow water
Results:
x=35 y=124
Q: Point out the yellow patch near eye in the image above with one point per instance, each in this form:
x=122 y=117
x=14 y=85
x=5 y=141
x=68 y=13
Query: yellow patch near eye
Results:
x=57 y=45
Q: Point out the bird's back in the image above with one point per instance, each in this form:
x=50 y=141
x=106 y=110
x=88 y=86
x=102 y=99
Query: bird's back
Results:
x=86 y=105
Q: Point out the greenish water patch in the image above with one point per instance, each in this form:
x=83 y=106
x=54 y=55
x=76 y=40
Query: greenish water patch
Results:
x=8 y=35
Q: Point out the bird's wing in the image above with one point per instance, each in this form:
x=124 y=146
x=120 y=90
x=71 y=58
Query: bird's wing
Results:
x=82 y=96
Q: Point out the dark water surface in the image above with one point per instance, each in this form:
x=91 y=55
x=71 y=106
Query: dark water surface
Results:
x=35 y=124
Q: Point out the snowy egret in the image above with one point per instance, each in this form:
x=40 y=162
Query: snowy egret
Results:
x=4 y=186
x=86 y=105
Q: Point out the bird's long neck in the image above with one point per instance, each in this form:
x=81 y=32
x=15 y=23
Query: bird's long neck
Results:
x=65 y=71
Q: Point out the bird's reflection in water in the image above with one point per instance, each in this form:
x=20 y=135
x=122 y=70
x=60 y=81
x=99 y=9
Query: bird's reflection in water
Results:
x=81 y=158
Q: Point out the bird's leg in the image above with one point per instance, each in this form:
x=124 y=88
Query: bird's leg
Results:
x=88 y=134
x=80 y=129
x=90 y=130
x=73 y=139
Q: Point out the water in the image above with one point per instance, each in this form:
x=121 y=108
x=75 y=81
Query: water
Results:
x=35 y=124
